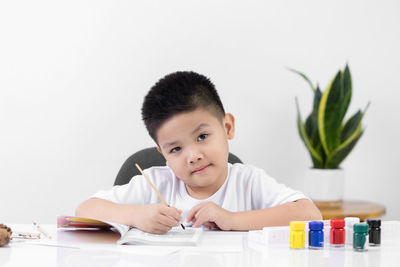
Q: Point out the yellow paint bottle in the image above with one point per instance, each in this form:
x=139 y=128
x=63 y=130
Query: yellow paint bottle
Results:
x=297 y=236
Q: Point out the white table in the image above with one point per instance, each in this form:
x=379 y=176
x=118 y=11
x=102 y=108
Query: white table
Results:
x=215 y=249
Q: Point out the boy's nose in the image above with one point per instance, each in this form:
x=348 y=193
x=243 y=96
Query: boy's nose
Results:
x=194 y=157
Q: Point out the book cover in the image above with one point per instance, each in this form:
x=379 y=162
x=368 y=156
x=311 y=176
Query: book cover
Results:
x=77 y=222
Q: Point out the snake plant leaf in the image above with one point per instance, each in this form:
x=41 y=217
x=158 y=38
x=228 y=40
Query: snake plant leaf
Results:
x=312 y=120
x=339 y=154
x=304 y=77
x=333 y=106
x=346 y=90
x=351 y=126
x=316 y=158
x=316 y=142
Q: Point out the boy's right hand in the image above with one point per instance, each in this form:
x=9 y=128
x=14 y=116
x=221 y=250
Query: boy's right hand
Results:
x=156 y=218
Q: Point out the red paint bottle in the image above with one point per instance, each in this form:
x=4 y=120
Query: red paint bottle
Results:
x=337 y=234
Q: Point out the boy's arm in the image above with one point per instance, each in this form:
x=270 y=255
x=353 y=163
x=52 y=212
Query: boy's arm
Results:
x=152 y=218
x=299 y=210
x=100 y=209
x=209 y=214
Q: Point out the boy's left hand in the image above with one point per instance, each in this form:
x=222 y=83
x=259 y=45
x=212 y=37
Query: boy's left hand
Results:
x=210 y=215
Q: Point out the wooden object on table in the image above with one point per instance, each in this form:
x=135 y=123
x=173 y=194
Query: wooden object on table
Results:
x=5 y=234
x=350 y=208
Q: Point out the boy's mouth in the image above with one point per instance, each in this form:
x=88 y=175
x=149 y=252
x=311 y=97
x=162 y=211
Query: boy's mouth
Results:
x=201 y=169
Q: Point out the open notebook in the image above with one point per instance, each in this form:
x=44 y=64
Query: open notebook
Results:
x=133 y=236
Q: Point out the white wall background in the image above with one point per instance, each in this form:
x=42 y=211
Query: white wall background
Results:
x=73 y=75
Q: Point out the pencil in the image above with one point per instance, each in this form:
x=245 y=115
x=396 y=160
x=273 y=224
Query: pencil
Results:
x=40 y=229
x=155 y=189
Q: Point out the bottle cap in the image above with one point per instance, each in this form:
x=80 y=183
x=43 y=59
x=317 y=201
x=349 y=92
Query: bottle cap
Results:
x=350 y=221
x=316 y=225
x=374 y=223
x=297 y=226
x=337 y=223
x=361 y=228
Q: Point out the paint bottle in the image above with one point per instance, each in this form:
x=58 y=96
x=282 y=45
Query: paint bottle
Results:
x=327 y=230
x=337 y=234
x=316 y=235
x=360 y=236
x=349 y=226
x=374 y=232
x=296 y=235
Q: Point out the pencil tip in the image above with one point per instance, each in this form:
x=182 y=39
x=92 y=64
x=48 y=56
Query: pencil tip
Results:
x=183 y=227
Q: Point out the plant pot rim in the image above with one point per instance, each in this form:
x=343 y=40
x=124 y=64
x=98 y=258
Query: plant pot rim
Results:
x=318 y=169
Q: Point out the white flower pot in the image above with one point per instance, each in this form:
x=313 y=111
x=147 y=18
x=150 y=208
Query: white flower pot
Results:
x=325 y=185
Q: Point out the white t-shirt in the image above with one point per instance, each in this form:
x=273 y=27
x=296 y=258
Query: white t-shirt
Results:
x=246 y=188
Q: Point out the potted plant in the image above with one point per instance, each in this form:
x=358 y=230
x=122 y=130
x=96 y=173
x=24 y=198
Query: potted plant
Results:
x=328 y=137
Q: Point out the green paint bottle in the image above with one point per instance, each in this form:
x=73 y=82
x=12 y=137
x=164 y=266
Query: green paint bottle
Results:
x=360 y=237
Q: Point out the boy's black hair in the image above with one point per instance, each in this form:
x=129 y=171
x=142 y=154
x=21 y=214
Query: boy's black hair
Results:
x=178 y=92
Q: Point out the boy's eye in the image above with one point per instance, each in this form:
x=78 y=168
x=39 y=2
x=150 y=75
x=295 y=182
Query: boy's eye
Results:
x=175 y=149
x=202 y=137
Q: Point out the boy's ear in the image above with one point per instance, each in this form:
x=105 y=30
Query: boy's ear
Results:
x=229 y=125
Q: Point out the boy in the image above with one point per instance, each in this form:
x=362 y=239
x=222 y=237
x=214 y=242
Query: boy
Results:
x=185 y=117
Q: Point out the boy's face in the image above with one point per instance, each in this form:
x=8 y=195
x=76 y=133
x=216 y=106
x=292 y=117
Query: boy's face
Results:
x=195 y=145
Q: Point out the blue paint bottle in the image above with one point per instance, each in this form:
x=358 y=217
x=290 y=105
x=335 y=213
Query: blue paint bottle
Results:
x=316 y=235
